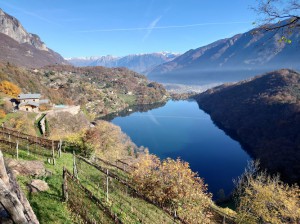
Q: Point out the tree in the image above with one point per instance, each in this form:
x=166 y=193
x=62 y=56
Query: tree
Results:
x=261 y=198
x=105 y=141
x=173 y=185
x=279 y=13
x=9 y=88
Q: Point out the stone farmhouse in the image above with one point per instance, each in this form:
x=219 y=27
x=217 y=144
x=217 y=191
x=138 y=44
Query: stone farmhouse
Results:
x=30 y=102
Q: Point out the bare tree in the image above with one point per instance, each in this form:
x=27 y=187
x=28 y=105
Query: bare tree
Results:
x=278 y=15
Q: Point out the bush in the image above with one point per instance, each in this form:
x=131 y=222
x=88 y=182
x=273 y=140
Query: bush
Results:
x=261 y=198
x=174 y=186
x=9 y=88
x=7 y=106
x=77 y=143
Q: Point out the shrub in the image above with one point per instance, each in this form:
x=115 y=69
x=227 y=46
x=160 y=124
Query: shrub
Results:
x=9 y=88
x=262 y=198
x=174 y=186
x=7 y=107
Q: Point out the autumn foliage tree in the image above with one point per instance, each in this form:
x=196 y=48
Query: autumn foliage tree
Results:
x=105 y=140
x=173 y=185
x=261 y=198
x=9 y=88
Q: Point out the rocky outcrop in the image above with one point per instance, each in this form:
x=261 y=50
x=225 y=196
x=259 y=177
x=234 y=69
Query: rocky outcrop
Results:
x=38 y=186
x=14 y=207
x=26 y=168
x=263 y=114
x=19 y=47
x=11 y=27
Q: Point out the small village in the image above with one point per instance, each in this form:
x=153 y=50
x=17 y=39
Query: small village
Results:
x=33 y=102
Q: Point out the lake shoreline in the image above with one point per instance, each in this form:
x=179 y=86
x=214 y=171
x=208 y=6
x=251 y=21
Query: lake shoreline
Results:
x=181 y=129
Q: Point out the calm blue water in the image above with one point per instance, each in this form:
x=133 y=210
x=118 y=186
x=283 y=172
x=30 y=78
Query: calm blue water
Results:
x=181 y=129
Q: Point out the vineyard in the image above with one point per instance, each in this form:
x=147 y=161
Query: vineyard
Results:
x=95 y=191
x=87 y=193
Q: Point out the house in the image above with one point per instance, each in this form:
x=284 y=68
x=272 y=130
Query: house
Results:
x=30 y=102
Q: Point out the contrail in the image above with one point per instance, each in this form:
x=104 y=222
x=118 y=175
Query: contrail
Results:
x=151 y=27
x=161 y=27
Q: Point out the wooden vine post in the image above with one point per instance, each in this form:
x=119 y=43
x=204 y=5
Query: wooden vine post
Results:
x=224 y=220
x=126 y=186
x=65 y=186
x=107 y=185
x=9 y=139
x=59 y=148
x=75 y=171
x=17 y=148
x=27 y=146
x=53 y=155
x=36 y=144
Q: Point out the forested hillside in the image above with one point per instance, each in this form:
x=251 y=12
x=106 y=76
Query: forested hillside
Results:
x=263 y=113
x=98 y=90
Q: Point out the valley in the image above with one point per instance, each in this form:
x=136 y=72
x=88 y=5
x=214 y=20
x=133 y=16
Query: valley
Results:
x=142 y=134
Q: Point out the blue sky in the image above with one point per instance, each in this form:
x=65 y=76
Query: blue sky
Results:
x=121 y=27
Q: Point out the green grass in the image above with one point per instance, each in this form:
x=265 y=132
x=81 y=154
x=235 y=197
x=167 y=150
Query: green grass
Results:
x=8 y=117
x=47 y=205
x=129 y=99
x=49 y=208
x=129 y=209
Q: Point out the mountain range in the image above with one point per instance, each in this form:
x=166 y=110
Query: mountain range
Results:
x=21 y=48
x=233 y=59
x=142 y=63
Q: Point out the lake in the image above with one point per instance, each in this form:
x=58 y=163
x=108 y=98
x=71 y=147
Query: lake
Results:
x=181 y=129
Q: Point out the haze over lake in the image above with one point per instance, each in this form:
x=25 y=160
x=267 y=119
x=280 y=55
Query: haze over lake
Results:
x=181 y=129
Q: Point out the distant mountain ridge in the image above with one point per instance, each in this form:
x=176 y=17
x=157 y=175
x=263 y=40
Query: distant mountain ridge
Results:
x=22 y=48
x=235 y=58
x=142 y=63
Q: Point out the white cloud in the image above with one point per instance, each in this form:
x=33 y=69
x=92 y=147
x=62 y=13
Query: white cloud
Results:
x=162 y=27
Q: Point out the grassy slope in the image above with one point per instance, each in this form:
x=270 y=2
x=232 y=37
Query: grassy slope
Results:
x=50 y=209
x=48 y=206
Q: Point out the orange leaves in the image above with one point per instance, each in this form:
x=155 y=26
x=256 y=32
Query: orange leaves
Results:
x=174 y=185
x=9 y=88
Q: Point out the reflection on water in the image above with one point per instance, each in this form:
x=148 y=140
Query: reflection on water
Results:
x=133 y=109
x=181 y=129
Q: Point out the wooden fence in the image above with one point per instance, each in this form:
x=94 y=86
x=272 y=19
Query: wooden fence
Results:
x=42 y=146
x=85 y=212
x=124 y=167
x=130 y=188
x=47 y=143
